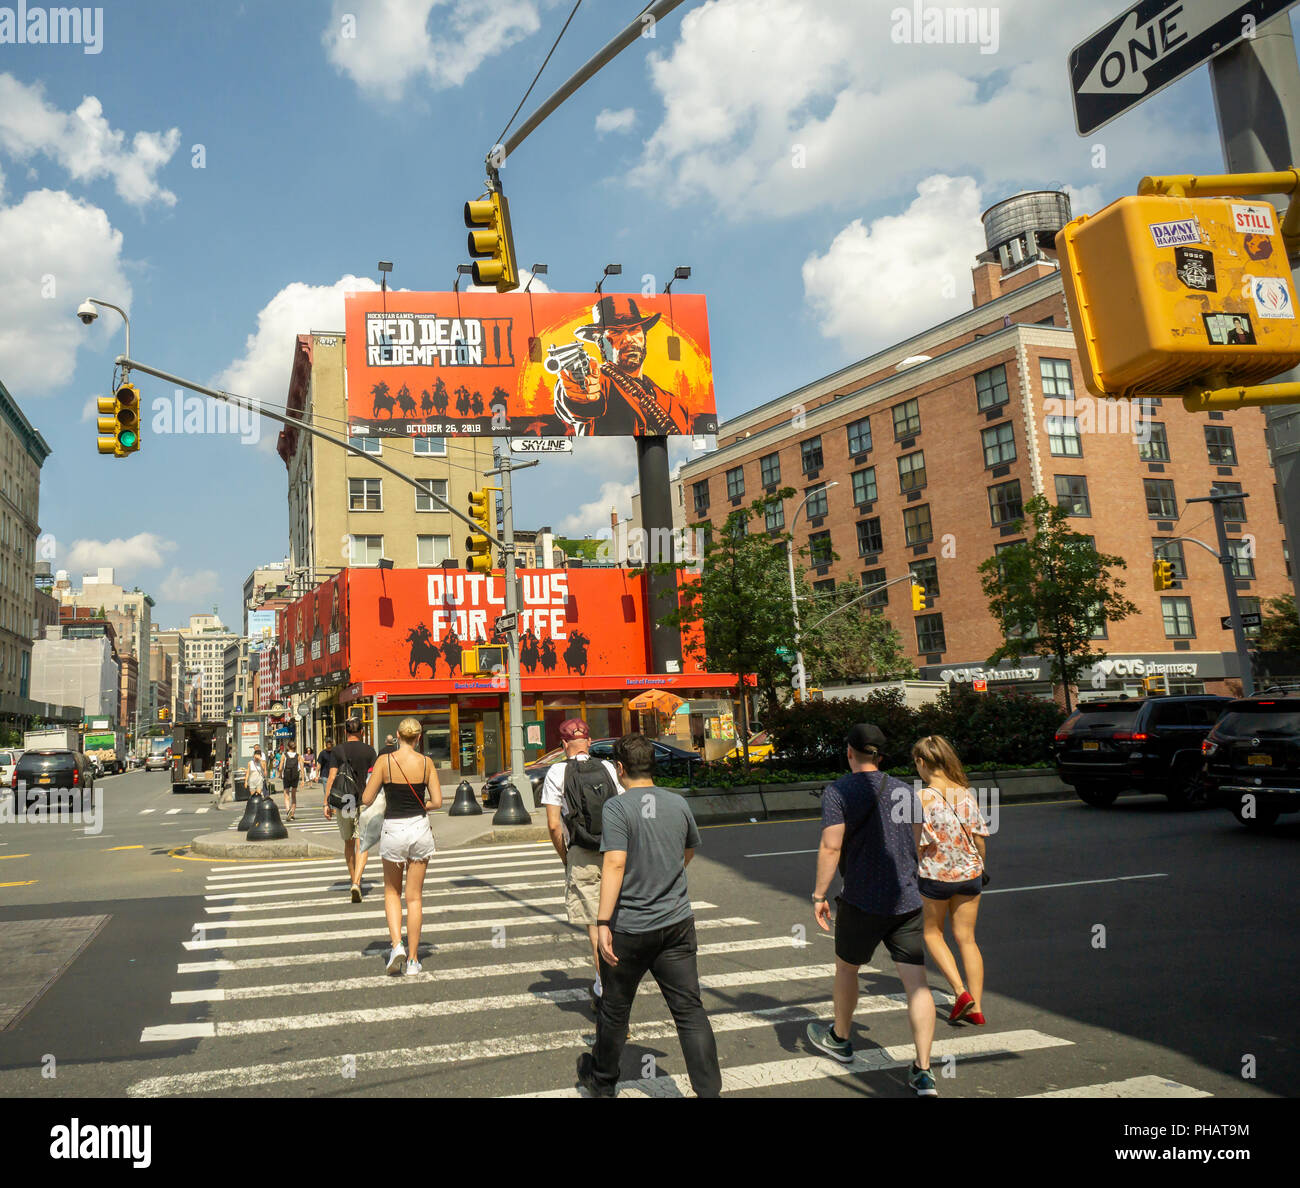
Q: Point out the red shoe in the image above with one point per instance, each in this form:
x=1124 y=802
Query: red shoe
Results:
x=963 y=1004
x=976 y=1017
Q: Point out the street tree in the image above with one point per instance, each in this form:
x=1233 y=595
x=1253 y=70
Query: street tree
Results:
x=855 y=643
x=1279 y=628
x=1053 y=593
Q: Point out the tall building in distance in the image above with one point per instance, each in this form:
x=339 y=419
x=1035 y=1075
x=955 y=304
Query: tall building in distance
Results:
x=268 y=587
x=919 y=459
x=203 y=659
x=344 y=511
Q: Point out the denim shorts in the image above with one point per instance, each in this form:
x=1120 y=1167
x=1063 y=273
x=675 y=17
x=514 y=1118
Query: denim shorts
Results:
x=934 y=889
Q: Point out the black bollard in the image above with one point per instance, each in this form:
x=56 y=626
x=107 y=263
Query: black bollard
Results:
x=267 y=826
x=250 y=813
x=466 y=803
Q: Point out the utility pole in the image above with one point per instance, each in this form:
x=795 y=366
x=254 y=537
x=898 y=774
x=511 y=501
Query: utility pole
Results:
x=1227 y=558
x=511 y=810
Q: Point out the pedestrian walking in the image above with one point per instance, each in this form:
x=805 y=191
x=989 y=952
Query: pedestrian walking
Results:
x=573 y=794
x=646 y=923
x=324 y=759
x=309 y=766
x=390 y=745
x=411 y=790
x=951 y=871
x=289 y=774
x=255 y=776
x=350 y=764
x=871 y=829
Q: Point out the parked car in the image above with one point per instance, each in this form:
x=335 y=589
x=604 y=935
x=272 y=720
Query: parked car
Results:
x=1252 y=759
x=669 y=760
x=1146 y=744
x=8 y=761
x=760 y=748
x=50 y=768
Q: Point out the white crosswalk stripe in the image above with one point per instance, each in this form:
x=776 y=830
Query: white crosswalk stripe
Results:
x=285 y=962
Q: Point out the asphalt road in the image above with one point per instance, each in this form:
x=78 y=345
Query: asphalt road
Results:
x=1134 y=950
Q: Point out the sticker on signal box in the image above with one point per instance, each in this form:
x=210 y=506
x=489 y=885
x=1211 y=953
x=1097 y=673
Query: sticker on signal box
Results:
x=1252 y=220
x=1195 y=268
x=1272 y=297
x=1175 y=232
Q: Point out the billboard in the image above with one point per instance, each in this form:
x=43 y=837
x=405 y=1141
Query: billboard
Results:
x=261 y=629
x=528 y=365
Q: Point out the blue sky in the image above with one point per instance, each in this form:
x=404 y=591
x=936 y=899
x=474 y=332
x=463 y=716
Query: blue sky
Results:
x=821 y=176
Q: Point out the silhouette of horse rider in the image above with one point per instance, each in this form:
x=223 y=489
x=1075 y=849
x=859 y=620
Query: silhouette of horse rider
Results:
x=528 y=651
x=548 y=655
x=423 y=651
x=451 y=651
x=405 y=402
x=575 y=655
x=383 y=400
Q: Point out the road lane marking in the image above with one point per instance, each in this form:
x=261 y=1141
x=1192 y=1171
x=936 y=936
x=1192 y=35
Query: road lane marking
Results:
x=520 y=941
x=172 y=812
x=4 y=856
x=476 y=853
x=1143 y=1087
x=23 y=883
x=322 y=884
x=1080 y=883
x=297 y=903
x=200 y=812
x=109 y=849
x=144 y=811
x=781 y=853
x=435 y=874
x=813 y=1068
x=443 y=860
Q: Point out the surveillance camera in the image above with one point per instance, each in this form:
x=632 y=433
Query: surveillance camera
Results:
x=87 y=312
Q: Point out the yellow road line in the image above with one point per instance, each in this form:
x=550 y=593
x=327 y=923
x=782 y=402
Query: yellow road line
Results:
x=112 y=848
x=24 y=883
x=4 y=856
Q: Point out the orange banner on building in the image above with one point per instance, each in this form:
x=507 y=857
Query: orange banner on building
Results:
x=528 y=365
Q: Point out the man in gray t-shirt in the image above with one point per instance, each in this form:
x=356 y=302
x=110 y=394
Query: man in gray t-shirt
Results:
x=645 y=922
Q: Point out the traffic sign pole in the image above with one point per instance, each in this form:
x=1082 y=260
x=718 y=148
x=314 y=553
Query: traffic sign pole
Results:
x=1227 y=559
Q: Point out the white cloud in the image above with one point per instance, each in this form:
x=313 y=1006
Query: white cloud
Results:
x=83 y=143
x=89 y=410
x=382 y=45
x=198 y=586
x=56 y=250
x=615 y=121
x=877 y=283
x=144 y=550
x=593 y=518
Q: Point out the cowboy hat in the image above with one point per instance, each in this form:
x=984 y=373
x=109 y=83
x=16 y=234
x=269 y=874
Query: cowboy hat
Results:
x=614 y=313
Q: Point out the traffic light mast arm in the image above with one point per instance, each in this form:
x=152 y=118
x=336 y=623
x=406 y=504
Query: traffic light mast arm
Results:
x=293 y=422
x=1168 y=540
x=867 y=593
x=1231 y=185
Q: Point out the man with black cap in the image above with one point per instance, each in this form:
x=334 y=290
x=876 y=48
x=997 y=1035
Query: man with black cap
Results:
x=360 y=758
x=874 y=820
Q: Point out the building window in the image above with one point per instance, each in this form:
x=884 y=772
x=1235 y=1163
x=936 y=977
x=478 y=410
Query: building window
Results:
x=1233 y=509
x=434 y=446
x=770 y=469
x=1057 y=380
x=860 y=437
x=907 y=419
x=1249 y=606
x=1072 y=494
x=817 y=502
x=1156 y=447
x=1177 y=614
x=1005 y=503
x=826 y=587
x=775 y=516
x=810 y=453
x=366 y=443
x=1063 y=437
x=1220 y=446
x=700 y=493
x=911 y=471
x=1163 y=549
x=864 y=486
x=991 y=387
x=870 y=539
x=999 y=444
x=432 y=550
x=929 y=634
x=917 y=528
x=422 y=501
x=366 y=550
x=365 y=494
x=1161 y=504
x=1243 y=562
x=820 y=551
x=735 y=482
x=879 y=599
x=927 y=573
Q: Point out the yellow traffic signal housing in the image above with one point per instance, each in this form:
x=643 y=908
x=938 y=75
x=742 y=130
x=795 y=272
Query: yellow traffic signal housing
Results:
x=1156 y=684
x=1162 y=575
x=118 y=423
x=1164 y=292
x=490 y=241
x=919 y=598
x=478 y=547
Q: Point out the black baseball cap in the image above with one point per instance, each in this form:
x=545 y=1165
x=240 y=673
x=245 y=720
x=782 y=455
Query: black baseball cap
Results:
x=864 y=737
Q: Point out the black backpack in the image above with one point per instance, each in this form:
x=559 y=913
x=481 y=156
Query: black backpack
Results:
x=290 y=772
x=346 y=793
x=586 y=788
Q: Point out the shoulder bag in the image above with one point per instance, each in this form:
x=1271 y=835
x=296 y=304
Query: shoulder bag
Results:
x=984 y=864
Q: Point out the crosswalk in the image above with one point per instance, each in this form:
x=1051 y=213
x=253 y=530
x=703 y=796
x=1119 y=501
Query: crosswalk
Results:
x=280 y=986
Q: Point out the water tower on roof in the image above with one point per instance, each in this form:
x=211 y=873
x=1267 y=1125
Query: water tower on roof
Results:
x=1014 y=226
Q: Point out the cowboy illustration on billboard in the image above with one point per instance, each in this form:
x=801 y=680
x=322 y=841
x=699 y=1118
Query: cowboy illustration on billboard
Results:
x=611 y=397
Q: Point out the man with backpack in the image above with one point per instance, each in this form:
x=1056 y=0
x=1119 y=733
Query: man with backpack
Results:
x=350 y=766
x=574 y=794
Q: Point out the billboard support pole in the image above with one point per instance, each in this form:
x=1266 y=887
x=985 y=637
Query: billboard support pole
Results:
x=657 y=523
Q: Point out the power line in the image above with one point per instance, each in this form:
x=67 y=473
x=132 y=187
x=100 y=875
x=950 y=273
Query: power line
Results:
x=538 y=75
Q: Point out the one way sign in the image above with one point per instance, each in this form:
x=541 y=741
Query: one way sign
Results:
x=1152 y=45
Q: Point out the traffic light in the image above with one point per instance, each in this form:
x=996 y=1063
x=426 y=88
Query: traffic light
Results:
x=918 y=598
x=1162 y=574
x=1158 y=685
x=119 y=422
x=479 y=547
x=490 y=241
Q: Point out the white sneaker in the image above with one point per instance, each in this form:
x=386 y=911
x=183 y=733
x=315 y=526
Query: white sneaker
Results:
x=413 y=967
x=397 y=960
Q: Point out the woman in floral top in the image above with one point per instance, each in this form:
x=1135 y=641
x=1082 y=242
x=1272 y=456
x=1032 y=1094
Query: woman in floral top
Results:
x=950 y=870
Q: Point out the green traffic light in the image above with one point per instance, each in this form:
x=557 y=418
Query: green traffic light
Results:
x=128 y=439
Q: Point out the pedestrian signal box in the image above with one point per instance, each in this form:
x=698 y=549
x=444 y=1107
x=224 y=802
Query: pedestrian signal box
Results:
x=1165 y=293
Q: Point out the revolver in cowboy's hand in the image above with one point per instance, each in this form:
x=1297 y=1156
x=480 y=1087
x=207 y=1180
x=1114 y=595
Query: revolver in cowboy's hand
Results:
x=569 y=357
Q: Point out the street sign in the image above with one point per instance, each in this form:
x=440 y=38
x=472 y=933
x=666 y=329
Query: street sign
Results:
x=541 y=445
x=785 y=653
x=506 y=622
x=1247 y=620
x=1152 y=44
x=981 y=684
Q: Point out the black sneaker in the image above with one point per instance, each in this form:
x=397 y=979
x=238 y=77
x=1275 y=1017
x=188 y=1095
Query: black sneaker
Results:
x=586 y=1077
x=819 y=1035
x=921 y=1082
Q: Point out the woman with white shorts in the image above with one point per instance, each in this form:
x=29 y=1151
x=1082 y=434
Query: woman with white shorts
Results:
x=410 y=783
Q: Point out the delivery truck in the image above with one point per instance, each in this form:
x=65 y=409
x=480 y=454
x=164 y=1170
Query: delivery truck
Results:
x=109 y=747
x=52 y=738
x=199 y=755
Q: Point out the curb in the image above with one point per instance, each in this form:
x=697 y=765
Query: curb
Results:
x=507 y=835
x=222 y=845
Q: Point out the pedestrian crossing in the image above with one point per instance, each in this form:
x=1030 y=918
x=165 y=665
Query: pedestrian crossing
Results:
x=280 y=986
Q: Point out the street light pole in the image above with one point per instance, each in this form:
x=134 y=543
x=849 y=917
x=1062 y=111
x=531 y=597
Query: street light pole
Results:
x=799 y=673
x=1228 y=559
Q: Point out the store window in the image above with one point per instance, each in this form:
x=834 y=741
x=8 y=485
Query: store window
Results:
x=604 y=715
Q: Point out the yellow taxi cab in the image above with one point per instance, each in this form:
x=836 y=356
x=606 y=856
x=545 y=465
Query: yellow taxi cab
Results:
x=760 y=748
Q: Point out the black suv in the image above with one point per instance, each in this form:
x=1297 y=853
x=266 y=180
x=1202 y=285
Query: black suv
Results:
x=53 y=769
x=1252 y=759
x=1147 y=744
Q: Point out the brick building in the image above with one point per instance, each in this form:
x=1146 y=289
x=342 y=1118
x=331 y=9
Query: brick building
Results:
x=934 y=444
